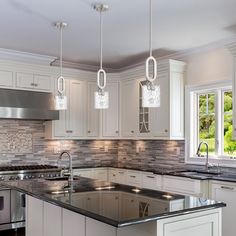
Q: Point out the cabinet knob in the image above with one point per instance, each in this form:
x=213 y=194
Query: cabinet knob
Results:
x=166 y=130
x=117 y=132
x=36 y=85
x=132 y=131
x=89 y=132
x=32 y=84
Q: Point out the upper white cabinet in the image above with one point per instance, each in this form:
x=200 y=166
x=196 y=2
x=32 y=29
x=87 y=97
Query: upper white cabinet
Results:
x=33 y=82
x=130 y=108
x=167 y=121
x=93 y=117
x=71 y=123
x=6 y=79
x=110 y=116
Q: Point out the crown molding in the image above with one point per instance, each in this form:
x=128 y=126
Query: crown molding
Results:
x=32 y=58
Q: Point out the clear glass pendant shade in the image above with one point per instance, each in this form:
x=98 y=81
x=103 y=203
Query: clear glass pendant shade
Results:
x=150 y=96
x=101 y=100
x=60 y=102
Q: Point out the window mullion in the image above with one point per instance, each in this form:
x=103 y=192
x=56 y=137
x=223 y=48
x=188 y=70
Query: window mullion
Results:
x=219 y=105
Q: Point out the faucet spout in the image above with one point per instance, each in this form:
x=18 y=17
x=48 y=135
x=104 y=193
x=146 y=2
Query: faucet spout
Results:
x=70 y=178
x=207 y=164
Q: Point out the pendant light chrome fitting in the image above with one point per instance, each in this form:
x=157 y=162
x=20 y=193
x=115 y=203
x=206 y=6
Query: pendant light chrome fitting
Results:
x=101 y=97
x=61 y=99
x=150 y=91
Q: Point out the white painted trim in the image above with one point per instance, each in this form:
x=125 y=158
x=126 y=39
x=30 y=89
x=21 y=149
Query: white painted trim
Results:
x=188 y=138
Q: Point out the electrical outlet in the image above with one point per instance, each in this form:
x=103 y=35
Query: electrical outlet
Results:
x=138 y=149
x=106 y=148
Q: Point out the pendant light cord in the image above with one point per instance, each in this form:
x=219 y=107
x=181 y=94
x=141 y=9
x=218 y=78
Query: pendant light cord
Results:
x=101 y=40
x=61 y=26
x=150 y=27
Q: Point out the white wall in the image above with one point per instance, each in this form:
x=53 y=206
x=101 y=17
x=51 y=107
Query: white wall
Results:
x=212 y=66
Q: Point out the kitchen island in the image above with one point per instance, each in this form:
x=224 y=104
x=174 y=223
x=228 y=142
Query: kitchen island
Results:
x=93 y=208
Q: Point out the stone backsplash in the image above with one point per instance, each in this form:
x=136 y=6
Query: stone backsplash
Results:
x=23 y=143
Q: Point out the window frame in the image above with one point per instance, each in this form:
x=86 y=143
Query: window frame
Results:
x=191 y=123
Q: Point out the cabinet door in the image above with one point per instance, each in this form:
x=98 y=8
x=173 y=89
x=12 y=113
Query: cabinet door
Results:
x=226 y=193
x=34 y=216
x=110 y=116
x=52 y=214
x=5 y=206
x=130 y=108
x=121 y=176
x=112 y=176
x=76 y=121
x=149 y=181
x=25 y=80
x=6 y=79
x=159 y=117
x=93 y=114
x=43 y=82
x=133 y=178
x=73 y=224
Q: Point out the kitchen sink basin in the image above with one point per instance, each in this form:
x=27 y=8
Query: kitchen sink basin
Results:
x=204 y=174
x=60 y=178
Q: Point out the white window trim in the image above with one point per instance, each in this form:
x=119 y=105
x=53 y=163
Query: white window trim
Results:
x=189 y=97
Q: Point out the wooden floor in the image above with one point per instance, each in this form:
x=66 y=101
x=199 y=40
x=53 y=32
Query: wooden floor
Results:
x=19 y=232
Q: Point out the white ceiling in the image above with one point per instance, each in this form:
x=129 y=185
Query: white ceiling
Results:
x=27 y=25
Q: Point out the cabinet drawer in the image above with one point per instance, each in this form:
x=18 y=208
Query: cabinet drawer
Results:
x=25 y=80
x=121 y=176
x=149 y=181
x=182 y=185
x=100 y=174
x=134 y=178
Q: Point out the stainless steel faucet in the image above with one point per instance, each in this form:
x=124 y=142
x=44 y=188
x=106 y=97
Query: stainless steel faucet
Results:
x=207 y=164
x=70 y=178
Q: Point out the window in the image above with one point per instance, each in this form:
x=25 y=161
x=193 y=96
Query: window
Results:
x=210 y=119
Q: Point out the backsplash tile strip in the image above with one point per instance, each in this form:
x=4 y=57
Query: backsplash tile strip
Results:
x=30 y=147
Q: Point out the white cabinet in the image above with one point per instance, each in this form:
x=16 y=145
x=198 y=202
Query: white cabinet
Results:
x=167 y=121
x=93 y=117
x=226 y=192
x=149 y=180
x=121 y=176
x=100 y=173
x=87 y=173
x=52 y=214
x=6 y=79
x=71 y=123
x=112 y=175
x=130 y=207
x=133 y=178
x=129 y=108
x=110 y=116
x=34 y=216
x=187 y=186
x=34 y=82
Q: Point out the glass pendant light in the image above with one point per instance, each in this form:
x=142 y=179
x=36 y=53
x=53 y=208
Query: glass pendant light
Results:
x=150 y=91
x=60 y=98
x=101 y=96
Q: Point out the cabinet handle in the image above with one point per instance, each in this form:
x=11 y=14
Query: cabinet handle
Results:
x=132 y=176
x=150 y=177
x=226 y=187
x=117 y=198
x=166 y=130
x=88 y=198
x=36 y=85
x=89 y=132
x=69 y=131
x=120 y=172
x=132 y=200
x=113 y=175
x=117 y=132
x=32 y=84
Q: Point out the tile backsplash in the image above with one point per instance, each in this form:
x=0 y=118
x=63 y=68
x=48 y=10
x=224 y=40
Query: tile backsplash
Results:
x=23 y=143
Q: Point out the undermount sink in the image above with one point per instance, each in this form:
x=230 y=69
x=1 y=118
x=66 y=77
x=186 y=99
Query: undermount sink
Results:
x=199 y=173
x=64 y=178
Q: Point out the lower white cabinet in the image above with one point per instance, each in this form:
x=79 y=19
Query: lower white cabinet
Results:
x=134 y=178
x=186 y=186
x=87 y=173
x=121 y=176
x=100 y=173
x=226 y=192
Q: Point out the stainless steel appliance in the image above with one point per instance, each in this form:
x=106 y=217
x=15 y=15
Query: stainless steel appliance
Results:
x=12 y=203
x=20 y=104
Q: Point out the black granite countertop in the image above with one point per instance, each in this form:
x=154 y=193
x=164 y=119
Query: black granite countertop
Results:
x=193 y=172
x=113 y=204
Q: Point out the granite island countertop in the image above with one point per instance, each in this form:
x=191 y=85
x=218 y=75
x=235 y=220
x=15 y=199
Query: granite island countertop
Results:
x=113 y=204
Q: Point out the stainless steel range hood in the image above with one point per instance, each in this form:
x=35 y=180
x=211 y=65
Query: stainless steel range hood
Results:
x=28 y=105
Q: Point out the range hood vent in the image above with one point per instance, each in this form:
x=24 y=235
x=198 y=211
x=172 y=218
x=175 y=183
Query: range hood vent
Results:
x=27 y=105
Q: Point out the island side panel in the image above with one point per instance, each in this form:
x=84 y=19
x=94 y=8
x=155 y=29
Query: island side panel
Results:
x=204 y=223
x=34 y=216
